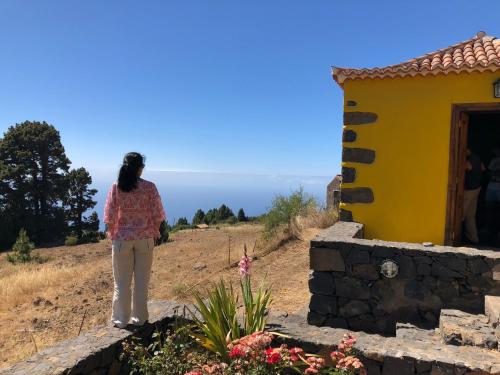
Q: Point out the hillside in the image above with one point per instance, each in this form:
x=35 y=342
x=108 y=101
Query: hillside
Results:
x=45 y=303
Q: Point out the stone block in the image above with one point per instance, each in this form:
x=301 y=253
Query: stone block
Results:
x=323 y=304
x=349 y=136
x=336 y=322
x=423 y=269
x=359 y=118
x=358 y=155
x=345 y=215
x=399 y=366
x=348 y=175
x=407 y=268
x=321 y=283
x=356 y=195
x=459 y=328
x=325 y=259
x=492 y=309
x=455 y=264
x=357 y=257
x=440 y=271
x=447 y=290
x=417 y=290
x=351 y=288
x=478 y=266
x=354 y=308
x=366 y=271
x=316 y=319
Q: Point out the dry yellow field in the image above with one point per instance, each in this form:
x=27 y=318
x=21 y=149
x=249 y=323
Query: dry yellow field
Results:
x=41 y=304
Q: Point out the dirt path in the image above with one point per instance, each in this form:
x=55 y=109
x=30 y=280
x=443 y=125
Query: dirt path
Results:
x=53 y=298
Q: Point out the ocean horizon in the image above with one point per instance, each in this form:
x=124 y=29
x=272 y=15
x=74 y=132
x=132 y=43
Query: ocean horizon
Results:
x=183 y=192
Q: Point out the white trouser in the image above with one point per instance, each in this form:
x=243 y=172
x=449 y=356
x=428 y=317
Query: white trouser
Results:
x=131 y=257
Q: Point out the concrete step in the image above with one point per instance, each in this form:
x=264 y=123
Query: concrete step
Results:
x=492 y=309
x=460 y=328
x=410 y=332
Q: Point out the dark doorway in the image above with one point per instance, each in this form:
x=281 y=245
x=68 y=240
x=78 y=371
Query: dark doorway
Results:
x=475 y=126
x=483 y=139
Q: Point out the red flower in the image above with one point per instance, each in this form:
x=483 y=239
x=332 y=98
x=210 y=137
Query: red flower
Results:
x=237 y=352
x=273 y=356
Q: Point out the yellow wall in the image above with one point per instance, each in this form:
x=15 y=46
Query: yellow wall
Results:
x=411 y=139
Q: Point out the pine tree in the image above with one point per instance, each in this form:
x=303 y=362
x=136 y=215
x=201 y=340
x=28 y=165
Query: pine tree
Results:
x=22 y=248
x=33 y=165
x=199 y=217
x=241 y=215
x=224 y=213
x=79 y=200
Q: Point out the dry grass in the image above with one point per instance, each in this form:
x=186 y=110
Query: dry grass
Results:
x=21 y=283
x=313 y=218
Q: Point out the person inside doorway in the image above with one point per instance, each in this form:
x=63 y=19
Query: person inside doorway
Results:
x=474 y=169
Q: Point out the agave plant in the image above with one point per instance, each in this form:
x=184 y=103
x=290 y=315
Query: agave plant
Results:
x=216 y=323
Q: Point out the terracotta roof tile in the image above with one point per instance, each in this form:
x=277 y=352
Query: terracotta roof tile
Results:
x=480 y=53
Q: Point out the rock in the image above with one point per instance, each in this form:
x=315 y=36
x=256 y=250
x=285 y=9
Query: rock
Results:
x=315 y=319
x=443 y=272
x=492 y=309
x=354 y=308
x=323 y=304
x=399 y=366
x=358 y=257
x=324 y=259
x=447 y=290
x=478 y=266
x=407 y=268
x=460 y=328
x=366 y=272
x=423 y=269
x=321 y=283
x=428 y=244
x=37 y=301
x=199 y=266
x=351 y=288
x=416 y=290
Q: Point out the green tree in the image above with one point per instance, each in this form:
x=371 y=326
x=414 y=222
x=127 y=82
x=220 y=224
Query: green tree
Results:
x=182 y=221
x=199 y=217
x=224 y=213
x=79 y=199
x=241 y=215
x=22 y=248
x=212 y=216
x=33 y=165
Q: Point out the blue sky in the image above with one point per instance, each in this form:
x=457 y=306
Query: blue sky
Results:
x=209 y=85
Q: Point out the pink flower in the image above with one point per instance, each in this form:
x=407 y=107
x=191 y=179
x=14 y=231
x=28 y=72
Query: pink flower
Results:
x=194 y=373
x=295 y=353
x=244 y=265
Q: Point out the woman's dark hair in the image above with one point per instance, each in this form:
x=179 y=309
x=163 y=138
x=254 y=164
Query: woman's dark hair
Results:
x=127 y=178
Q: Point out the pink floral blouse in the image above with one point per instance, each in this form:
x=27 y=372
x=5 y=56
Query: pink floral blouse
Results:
x=134 y=215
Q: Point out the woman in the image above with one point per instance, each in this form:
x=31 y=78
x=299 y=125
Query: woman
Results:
x=133 y=214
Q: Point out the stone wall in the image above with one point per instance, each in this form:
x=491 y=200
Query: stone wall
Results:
x=349 y=291
x=413 y=352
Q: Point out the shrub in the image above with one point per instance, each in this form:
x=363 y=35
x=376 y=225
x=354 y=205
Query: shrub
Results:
x=164 y=231
x=71 y=241
x=22 y=248
x=284 y=210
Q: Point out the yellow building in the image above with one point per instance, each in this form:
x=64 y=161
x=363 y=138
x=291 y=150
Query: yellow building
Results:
x=407 y=128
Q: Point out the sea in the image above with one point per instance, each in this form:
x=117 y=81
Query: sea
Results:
x=183 y=193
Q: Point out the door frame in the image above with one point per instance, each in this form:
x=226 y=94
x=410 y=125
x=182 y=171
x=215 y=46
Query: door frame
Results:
x=456 y=171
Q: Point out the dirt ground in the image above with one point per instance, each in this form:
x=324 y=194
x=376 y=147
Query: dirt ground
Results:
x=75 y=285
